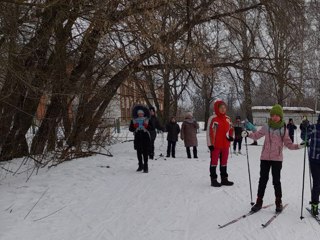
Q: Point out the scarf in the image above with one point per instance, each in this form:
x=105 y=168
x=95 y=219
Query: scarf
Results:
x=275 y=125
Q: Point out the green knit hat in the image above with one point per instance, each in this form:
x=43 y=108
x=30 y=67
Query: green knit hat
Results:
x=277 y=110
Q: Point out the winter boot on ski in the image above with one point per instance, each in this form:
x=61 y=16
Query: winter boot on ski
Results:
x=279 y=206
x=257 y=207
x=224 y=176
x=213 y=176
x=315 y=209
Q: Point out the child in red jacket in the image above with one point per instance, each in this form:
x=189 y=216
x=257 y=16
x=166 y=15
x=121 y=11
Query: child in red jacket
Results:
x=219 y=136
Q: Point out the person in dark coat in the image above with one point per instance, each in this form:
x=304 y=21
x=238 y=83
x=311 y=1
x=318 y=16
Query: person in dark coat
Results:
x=141 y=127
x=153 y=133
x=291 y=128
x=313 y=141
x=173 y=130
x=304 y=126
x=238 y=129
x=188 y=134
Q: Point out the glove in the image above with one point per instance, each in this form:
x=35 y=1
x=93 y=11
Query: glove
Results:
x=211 y=148
x=145 y=125
x=303 y=145
x=230 y=139
x=244 y=134
x=136 y=125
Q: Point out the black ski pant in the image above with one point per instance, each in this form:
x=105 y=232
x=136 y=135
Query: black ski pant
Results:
x=195 y=152
x=171 y=149
x=237 y=141
x=265 y=167
x=315 y=172
x=142 y=157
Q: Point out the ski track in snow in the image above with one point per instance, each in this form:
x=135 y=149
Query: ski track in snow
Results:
x=173 y=201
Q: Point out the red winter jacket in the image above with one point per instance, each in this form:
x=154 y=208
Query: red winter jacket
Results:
x=219 y=127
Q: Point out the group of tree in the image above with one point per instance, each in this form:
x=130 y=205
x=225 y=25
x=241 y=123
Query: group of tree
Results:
x=75 y=54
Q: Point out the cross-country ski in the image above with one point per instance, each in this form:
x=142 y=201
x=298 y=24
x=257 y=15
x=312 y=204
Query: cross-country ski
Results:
x=242 y=217
x=317 y=218
x=264 y=225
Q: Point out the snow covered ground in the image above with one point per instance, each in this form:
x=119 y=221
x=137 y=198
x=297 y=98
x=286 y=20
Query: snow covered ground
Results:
x=174 y=201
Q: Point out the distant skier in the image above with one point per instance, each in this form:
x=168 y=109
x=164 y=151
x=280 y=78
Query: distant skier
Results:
x=276 y=136
x=304 y=126
x=219 y=136
x=313 y=138
x=238 y=129
x=141 y=126
x=189 y=134
x=173 y=130
x=153 y=133
x=291 y=128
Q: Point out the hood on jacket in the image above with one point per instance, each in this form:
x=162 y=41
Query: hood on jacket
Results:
x=217 y=104
x=189 y=115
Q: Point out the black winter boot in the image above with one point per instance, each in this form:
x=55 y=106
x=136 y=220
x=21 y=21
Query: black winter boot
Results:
x=145 y=168
x=226 y=182
x=215 y=183
x=188 y=152
x=257 y=207
x=279 y=206
x=140 y=168
x=195 y=152
x=224 y=176
x=213 y=176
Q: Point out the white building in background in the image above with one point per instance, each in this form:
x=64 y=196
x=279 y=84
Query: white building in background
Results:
x=261 y=114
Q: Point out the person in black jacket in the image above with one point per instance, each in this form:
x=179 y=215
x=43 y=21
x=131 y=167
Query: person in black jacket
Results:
x=153 y=133
x=291 y=128
x=173 y=130
x=304 y=126
x=238 y=129
x=141 y=127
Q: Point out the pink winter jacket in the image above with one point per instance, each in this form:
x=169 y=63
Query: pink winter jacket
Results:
x=274 y=141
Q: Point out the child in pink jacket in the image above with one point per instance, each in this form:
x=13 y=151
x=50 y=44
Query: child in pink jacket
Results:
x=276 y=137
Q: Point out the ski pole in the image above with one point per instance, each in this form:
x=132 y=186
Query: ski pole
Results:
x=310 y=175
x=303 y=177
x=249 y=173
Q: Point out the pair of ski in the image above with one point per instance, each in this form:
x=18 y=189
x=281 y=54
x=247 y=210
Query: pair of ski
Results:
x=251 y=213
